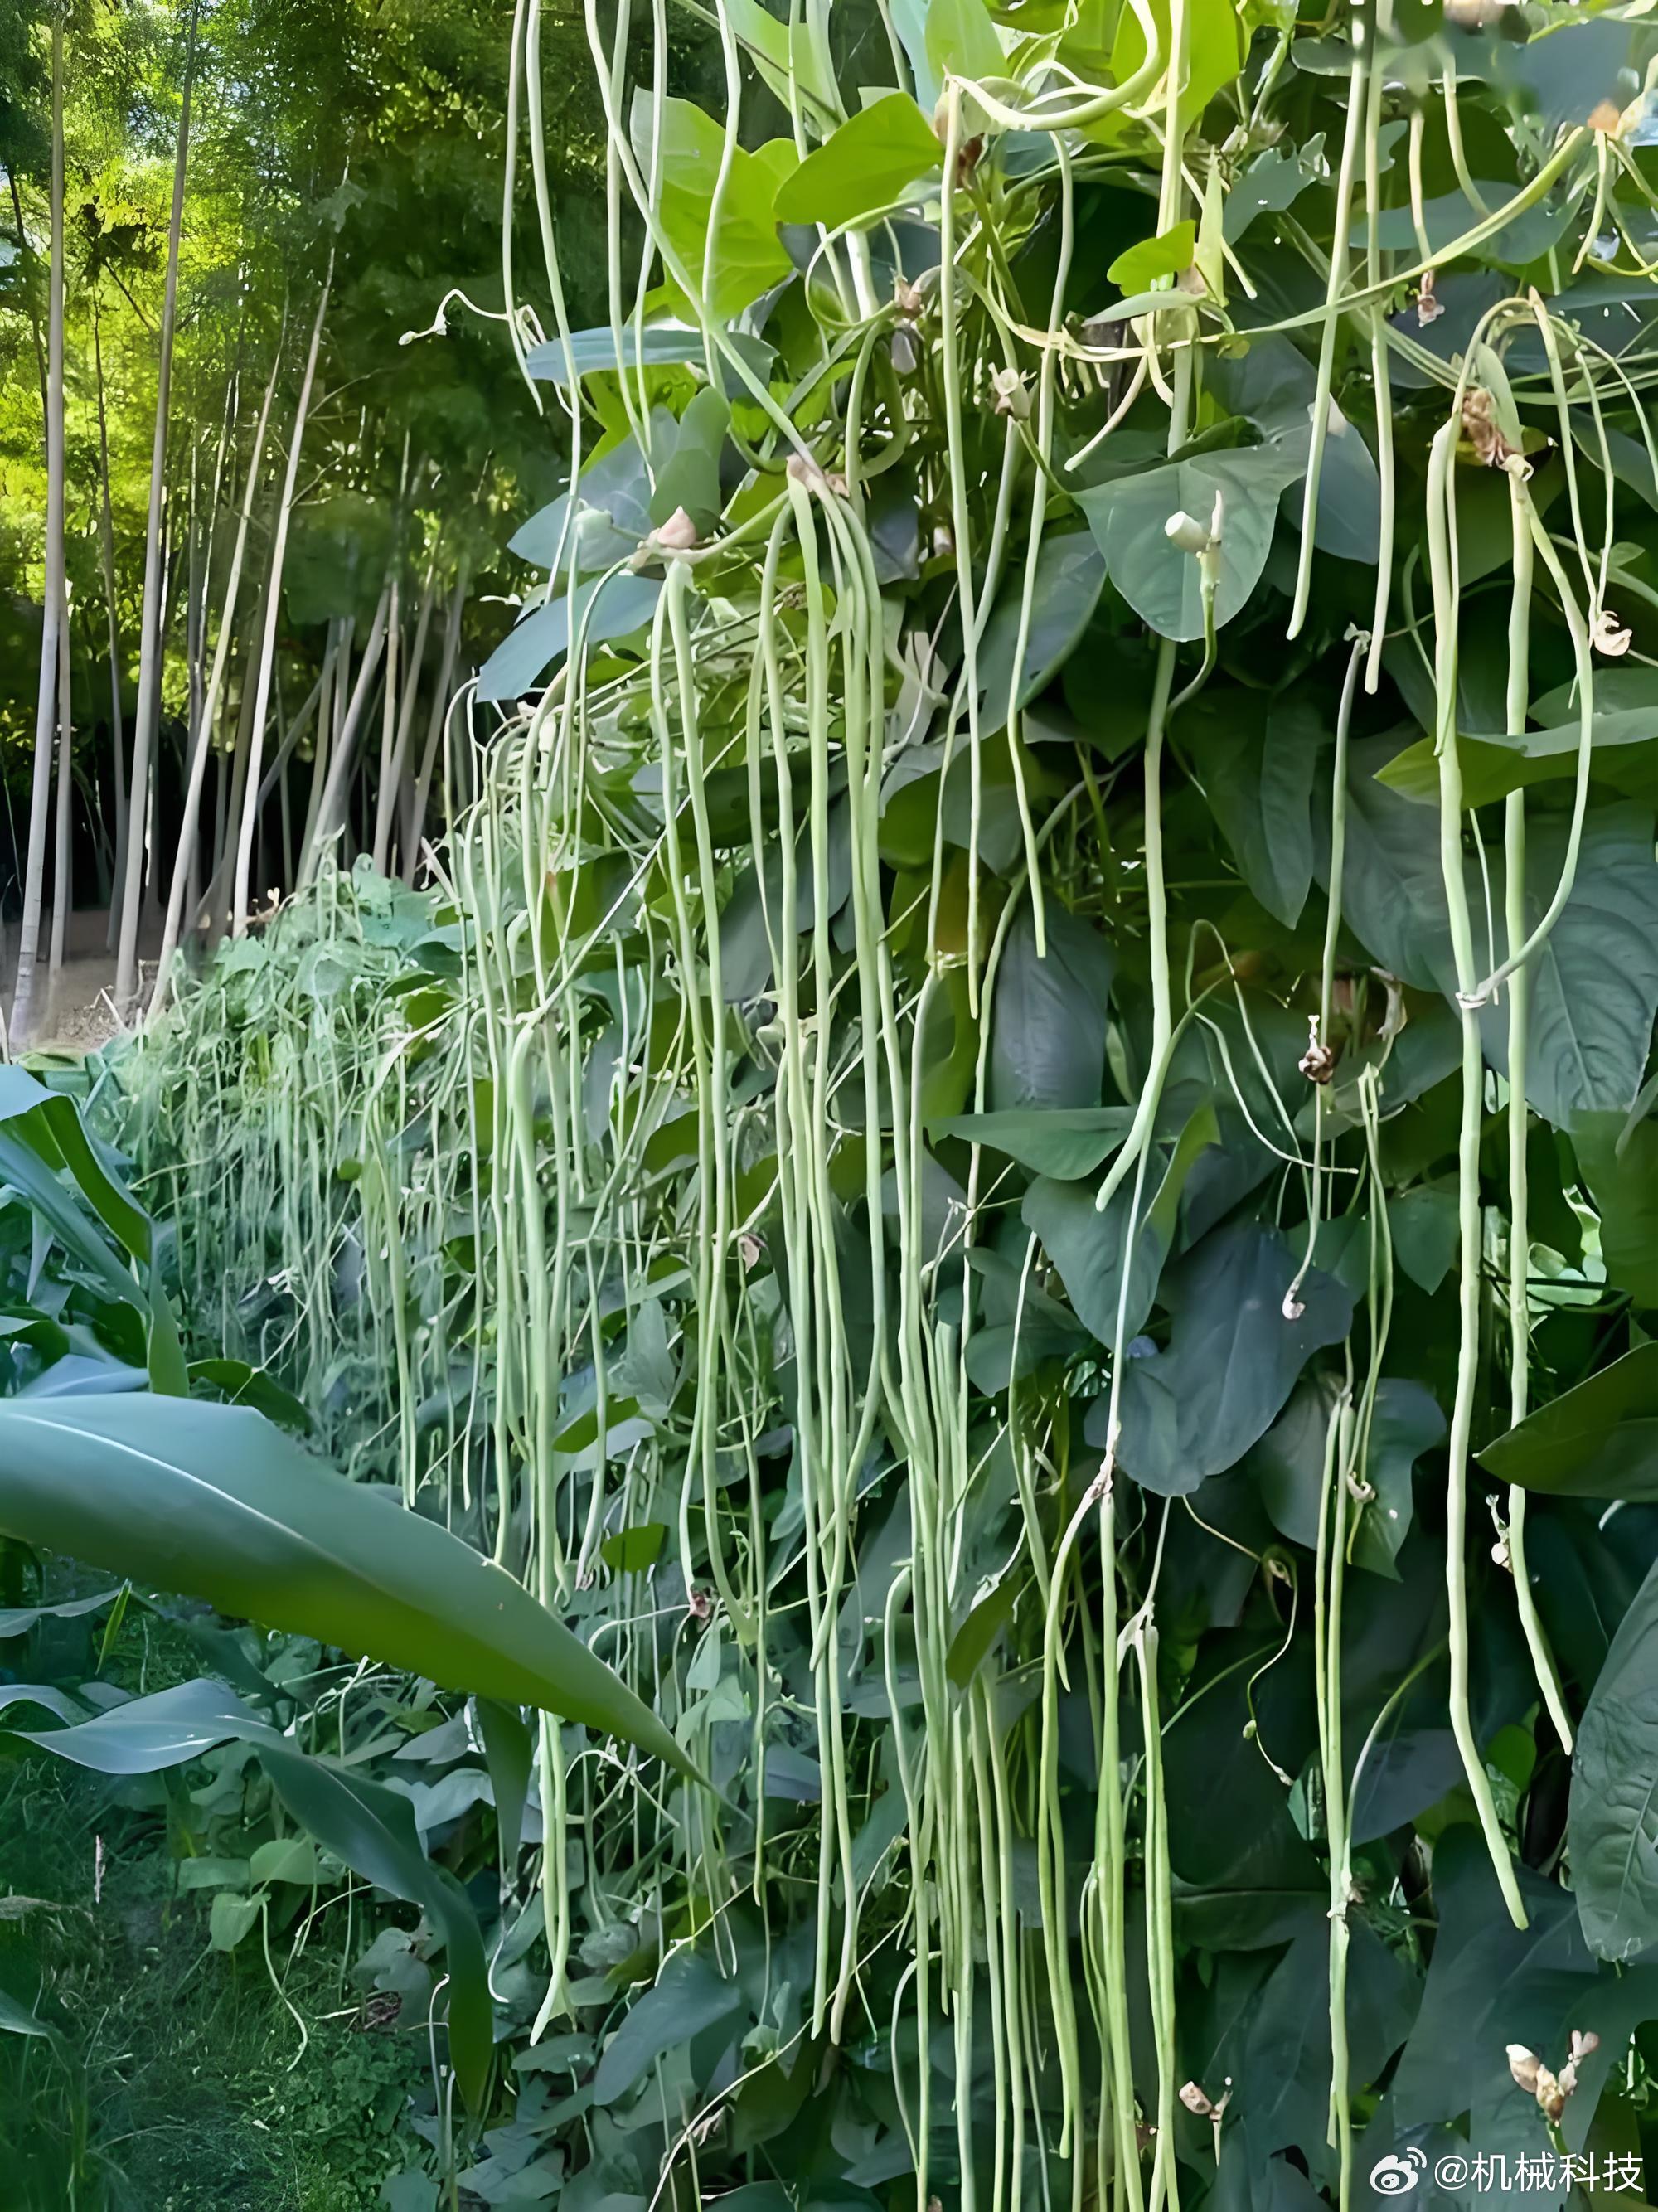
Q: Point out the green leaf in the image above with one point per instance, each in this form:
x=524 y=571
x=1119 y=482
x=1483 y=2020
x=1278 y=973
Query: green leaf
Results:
x=689 y=476
x=372 y=1831
x=1270 y=185
x=1232 y=1360
x=213 y=1873
x=1159 y=579
x=1254 y=758
x=214 y=1500
x=1086 y=1247
x=784 y=57
x=1049 y=1015
x=1215 y=43
x=509 y=1753
x=1622 y=1175
x=59 y=1210
x=1612 y=1826
x=970 y=1645
x=245 y=1385
x=409 y=2192
x=229 y=1919
x=1407 y=1421
x=148 y=1734
x=18 y=2020
x=1599 y=1439
x=631 y=1551
x=1288 y=1466
x=1623 y=754
x=962 y=40
x=865 y=166
x=660 y=345
x=1137 y=269
x=1424 y=1226
x=17 y=1620
x=688 y=1996
x=1392 y=891
x=1021 y=1326
x=1070 y=577
x=1593 y=984
x=610 y=606
x=1066 y=1142
x=749 y=257
x=286 y=1858
x=54 y=1122
x=1490 y=1984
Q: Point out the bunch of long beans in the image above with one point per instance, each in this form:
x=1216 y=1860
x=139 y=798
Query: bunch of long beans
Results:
x=663 y=1270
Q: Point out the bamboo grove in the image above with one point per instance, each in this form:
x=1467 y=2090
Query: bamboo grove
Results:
x=1007 y=1152
x=243 y=550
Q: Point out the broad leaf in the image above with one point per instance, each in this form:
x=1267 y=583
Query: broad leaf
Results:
x=1392 y=891
x=1613 y=1826
x=372 y=1831
x=1593 y=984
x=1066 y=1142
x=1049 y=1017
x=749 y=258
x=611 y=606
x=1070 y=577
x=1139 y=267
x=962 y=40
x=215 y=1500
x=1087 y=1247
x=688 y=476
x=148 y=1734
x=1490 y=1984
x=1233 y=1358
x=1256 y=759
x=17 y=1620
x=864 y=167
x=1622 y=1175
x=1159 y=579
x=661 y=346
x=688 y=1996
x=1599 y=1439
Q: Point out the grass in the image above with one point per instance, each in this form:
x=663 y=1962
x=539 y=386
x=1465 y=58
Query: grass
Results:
x=181 y=2082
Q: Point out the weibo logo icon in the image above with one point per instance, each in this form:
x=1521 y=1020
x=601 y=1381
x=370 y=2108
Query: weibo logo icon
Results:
x=1396 y=2175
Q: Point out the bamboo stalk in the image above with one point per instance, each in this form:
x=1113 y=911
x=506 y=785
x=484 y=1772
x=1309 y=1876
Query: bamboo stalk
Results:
x=24 y=1013
x=415 y=822
x=394 y=771
x=151 y=625
x=62 y=890
x=272 y=609
x=106 y=553
x=202 y=742
x=330 y=811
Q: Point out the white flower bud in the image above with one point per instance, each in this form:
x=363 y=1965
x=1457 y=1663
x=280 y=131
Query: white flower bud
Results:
x=1185 y=530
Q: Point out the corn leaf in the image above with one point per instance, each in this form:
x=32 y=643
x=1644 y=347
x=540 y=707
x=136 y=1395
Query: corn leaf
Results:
x=214 y=1500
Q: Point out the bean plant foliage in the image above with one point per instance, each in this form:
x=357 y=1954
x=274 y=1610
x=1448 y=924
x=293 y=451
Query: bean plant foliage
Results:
x=1011 y=1163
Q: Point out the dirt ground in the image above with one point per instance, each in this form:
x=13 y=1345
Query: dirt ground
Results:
x=80 y=1012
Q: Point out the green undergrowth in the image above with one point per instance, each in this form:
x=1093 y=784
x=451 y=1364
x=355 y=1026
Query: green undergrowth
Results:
x=182 y=2082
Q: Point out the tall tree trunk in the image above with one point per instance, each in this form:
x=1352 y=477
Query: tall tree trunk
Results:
x=415 y=821
x=24 y=1011
x=394 y=771
x=272 y=613
x=62 y=879
x=330 y=811
x=107 y=554
x=335 y=672
x=150 y=643
x=201 y=743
